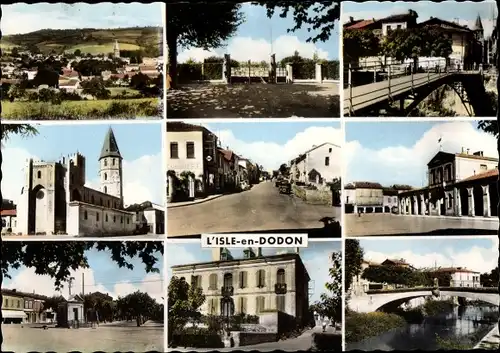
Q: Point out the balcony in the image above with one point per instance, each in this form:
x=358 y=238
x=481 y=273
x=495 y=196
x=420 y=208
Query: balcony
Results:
x=227 y=291
x=280 y=288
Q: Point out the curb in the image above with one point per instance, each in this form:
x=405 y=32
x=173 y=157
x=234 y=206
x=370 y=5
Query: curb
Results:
x=195 y=202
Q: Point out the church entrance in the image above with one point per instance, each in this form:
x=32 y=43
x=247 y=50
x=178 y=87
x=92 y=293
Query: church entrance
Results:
x=39 y=197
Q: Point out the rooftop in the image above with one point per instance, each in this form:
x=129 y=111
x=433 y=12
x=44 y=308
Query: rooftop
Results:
x=110 y=147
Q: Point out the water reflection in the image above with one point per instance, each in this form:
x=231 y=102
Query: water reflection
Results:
x=459 y=324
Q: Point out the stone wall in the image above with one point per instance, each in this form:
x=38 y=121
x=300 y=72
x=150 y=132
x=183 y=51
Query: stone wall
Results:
x=314 y=197
x=250 y=338
x=91 y=220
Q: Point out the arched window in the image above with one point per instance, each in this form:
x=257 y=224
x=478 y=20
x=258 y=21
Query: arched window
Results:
x=105 y=176
x=39 y=174
x=114 y=219
x=106 y=217
x=97 y=216
x=114 y=161
x=212 y=279
x=105 y=162
x=105 y=189
x=85 y=215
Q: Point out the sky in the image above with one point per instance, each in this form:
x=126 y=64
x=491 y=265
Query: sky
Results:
x=272 y=144
x=103 y=275
x=464 y=12
x=25 y=18
x=477 y=254
x=315 y=257
x=142 y=163
x=253 y=39
x=398 y=152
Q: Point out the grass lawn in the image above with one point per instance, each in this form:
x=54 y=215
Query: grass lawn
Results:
x=7 y=45
x=89 y=109
x=95 y=49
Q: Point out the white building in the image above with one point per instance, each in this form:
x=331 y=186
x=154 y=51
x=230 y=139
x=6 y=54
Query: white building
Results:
x=9 y=222
x=252 y=285
x=318 y=165
x=462 y=277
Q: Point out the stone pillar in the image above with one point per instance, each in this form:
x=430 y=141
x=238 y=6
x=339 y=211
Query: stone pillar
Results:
x=355 y=209
x=226 y=69
x=472 y=209
x=458 y=202
x=415 y=204
x=272 y=74
x=289 y=73
x=408 y=205
x=486 y=201
x=191 y=187
x=422 y=205
x=319 y=74
x=400 y=204
x=438 y=207
x=170 y=188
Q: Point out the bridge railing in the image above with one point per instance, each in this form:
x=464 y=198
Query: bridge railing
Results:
x=420 y=289
x=426 y=71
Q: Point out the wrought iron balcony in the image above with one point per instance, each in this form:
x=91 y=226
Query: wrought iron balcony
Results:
x=227 y=291
x=280 y=288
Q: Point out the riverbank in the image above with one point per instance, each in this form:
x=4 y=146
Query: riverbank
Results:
x=491 y=341
x=459 y=328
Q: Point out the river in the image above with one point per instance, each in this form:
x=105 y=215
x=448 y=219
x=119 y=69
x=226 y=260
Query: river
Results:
x=456 y=325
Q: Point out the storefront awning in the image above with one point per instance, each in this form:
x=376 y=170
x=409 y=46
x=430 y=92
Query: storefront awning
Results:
x=13 y=314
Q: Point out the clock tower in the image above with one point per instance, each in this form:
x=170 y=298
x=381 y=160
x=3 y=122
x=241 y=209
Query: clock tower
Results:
x=110 y=167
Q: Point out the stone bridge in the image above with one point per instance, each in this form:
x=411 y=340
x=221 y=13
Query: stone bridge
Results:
x=370 y=99
x=374 y=300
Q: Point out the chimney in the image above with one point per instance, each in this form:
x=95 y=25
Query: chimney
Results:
x=351 y=19
x=463 y=150
x=468 y=150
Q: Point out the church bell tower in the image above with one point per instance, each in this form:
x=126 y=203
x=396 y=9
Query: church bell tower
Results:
x=110 y=167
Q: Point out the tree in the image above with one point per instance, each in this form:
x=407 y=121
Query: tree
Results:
x=184 y=302
x=205 y=25
x=14 y=52
x=52 y=303
x=138 y=305
x=353 y=261
x=78 y=52
x=284 y=170
x=330 y=304
x=57 y=259
x=311 y=14
x=359 y=43
x=96 y=88
x=140 y=81
x=25 y=130
x=489 y=126
x=489 y=279
x=46 y=76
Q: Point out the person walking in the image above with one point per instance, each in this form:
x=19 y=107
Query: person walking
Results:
x=325 y=324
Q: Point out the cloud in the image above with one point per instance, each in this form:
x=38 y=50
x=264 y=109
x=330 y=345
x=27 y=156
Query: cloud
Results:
x=476 y=258
x=27 y=281
x=407 y=164
x=256 y=49
x=25 y=18
x=271 y=154
x=142 y=178
x=318 y=268
x=178 y=254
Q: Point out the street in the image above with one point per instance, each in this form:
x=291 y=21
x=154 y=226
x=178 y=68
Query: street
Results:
x=122 y=337
x=303 y=342
x=390 y=224
x=261 y=208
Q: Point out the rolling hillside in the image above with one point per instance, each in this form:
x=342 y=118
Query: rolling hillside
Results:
x=88 y=40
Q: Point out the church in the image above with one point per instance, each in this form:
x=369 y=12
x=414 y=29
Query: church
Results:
x=54 y=198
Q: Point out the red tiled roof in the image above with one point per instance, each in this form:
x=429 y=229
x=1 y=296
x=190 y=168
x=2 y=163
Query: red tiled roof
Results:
x=360 y=25
x=488 y=174
x=455 y=269
x=148 y=68
x=8 y=213
x=228 y=154
x=364 y=185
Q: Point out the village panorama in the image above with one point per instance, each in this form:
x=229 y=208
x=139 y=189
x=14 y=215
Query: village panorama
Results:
x=82 y=73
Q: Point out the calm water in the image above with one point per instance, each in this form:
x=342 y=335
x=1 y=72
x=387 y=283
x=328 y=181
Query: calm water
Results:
x=456 y=325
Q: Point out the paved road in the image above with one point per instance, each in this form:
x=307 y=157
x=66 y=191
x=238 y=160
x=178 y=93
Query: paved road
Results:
x=390 y=224
x=302 y=343
x=107 y=338
x=261 y=208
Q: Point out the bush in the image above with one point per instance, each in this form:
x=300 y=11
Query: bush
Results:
x=359 y=326
x=327 y=342
x=196 y=338
x=436 y=307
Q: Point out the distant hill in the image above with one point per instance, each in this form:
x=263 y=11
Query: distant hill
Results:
x=88 y=40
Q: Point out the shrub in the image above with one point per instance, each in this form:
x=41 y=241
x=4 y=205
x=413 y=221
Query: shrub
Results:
x=359 y=326
x=196 y=338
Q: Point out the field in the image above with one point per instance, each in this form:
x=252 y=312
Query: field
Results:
x=90 y=109
x=95 y=49
x=88 y=40
x=6 y=45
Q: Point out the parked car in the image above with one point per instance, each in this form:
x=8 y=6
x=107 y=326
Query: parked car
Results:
x=285 y=187
x=279 y=180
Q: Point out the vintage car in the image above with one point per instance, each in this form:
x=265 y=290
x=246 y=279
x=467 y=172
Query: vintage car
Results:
x=285 y=187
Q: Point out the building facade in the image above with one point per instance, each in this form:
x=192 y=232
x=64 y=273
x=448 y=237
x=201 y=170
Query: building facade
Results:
x=459 y=184
x=462 y=277
x=55 y=200
x=252 y=285
x=318 y=165
x=23 y=308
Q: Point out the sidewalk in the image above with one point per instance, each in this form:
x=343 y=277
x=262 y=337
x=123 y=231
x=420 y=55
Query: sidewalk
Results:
x=194 y=202
x=486 y=219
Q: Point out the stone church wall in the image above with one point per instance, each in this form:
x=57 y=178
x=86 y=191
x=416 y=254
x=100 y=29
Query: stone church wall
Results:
x=91 y=220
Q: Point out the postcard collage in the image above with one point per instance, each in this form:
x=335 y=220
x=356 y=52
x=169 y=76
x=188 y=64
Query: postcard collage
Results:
x=249 y=176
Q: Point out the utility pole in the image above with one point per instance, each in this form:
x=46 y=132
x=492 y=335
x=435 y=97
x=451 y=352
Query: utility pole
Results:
x=83 y=295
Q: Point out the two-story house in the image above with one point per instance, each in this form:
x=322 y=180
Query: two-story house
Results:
x=251 y=285
x=12 y=307
x=192 y=149
x=461 y=276
x=317 y=166
x=459 y=184
x=364 y=197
